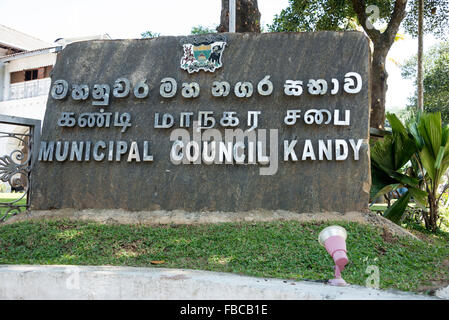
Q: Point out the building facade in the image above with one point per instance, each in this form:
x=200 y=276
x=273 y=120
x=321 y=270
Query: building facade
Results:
x=25 y=78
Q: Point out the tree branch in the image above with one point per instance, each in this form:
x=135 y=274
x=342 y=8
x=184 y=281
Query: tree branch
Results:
x=393 y=25
x=444 y=190
x=359 y=7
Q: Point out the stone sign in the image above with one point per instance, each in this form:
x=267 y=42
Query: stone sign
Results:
x=225 y=122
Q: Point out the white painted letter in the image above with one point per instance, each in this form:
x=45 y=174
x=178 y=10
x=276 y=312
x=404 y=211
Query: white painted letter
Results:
x=339 y=155
x=355 y=147
x=308 y=151
x=289 y=150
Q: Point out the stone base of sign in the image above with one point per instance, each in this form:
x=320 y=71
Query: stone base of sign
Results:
x=120 y=216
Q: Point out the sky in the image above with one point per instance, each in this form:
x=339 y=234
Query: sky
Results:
x=49 y=20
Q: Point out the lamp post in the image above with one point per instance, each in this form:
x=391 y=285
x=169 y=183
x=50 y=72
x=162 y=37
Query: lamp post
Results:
x=232 y=15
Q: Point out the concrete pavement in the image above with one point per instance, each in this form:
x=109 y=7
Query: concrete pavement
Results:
x=107 y=282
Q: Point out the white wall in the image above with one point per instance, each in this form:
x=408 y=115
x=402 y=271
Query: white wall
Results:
x=2 y=72
x=33 y=108
x=37 y=61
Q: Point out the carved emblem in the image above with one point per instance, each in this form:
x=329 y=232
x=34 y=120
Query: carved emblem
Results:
x=203 y=52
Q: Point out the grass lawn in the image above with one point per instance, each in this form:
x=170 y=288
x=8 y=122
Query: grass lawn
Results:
x=14 y=197
x=287 y=250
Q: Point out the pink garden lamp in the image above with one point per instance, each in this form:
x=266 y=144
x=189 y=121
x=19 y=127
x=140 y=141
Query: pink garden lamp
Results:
x=333 y=238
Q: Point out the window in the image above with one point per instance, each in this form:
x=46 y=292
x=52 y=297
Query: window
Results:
x=31 y=74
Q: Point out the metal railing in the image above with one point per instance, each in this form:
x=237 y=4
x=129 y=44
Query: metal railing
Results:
x=29 y=89
x=17 y=163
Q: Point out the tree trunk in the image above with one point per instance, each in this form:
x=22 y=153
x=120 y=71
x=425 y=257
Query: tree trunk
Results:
x=382 y=44
x=431 y=218
x=379 y=87
x=420 y=56
x=247 y=16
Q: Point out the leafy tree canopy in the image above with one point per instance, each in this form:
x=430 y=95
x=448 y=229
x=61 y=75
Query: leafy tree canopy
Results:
x=149 y=34
x=436 y=16
x=436 y=79
x=195 y=30
x=317 y=15
x=380 y=19
x=202 y=30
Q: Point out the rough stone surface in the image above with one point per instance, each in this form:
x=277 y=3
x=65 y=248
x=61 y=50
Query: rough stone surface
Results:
x=119 y=216
x=82 y=282
x=301 y=187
